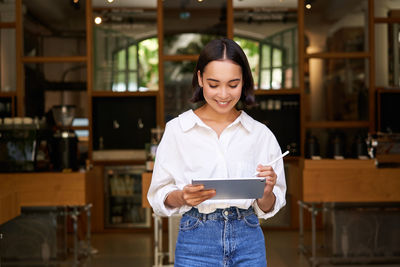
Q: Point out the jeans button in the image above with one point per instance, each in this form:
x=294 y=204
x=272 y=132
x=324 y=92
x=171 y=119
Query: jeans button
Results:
x=226 y=213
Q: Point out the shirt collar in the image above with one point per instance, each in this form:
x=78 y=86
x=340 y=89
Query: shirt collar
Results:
x=189 y=119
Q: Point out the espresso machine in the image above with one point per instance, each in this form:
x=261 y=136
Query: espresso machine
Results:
x=65 y=141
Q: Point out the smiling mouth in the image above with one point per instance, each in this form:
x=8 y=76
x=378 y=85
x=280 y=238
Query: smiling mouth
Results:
x=222 y=102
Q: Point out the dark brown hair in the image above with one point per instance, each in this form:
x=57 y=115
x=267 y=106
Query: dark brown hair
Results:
x=221 y=49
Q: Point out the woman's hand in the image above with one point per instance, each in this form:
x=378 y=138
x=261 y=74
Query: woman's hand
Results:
x=191 y=195
x=267 y=201
x=195 y=194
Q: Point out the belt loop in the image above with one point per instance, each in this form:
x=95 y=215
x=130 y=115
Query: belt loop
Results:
x=238 y=213
x=204 y=217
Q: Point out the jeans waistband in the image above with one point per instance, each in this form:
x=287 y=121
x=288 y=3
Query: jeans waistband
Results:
x=231 y=213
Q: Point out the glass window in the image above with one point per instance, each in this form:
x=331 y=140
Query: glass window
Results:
x=336 y=26
x=8 y=77
x=125 y=50
x=184 y=20
x=337 y=90
x=54 y=28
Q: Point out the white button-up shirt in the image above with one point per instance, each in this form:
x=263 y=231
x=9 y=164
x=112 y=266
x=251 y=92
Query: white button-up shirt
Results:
x=190 y=149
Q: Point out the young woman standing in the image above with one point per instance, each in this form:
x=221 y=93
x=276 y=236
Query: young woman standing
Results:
x=217 y=141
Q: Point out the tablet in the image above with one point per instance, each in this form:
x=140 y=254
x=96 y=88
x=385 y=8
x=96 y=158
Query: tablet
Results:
x=234 y=188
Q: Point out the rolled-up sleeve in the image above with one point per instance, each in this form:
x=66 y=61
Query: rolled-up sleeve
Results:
x=162 y=181
x=270 y=149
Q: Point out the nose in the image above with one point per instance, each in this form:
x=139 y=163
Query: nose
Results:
x=223 y=92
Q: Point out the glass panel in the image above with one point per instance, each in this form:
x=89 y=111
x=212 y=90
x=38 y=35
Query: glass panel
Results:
x=189 y=17
x=387 y=70
x=251 y=49
x=7 y=11
x=120 y=61
x=148 y=64
x=336 y=143
x=384 y=9
x=265 y=79
x=277 y=57
x=132 y=57
x=50 y=84
x=178 y=87
x=276 y=78
x=336 y=26
x=337 y=90
x=274 y=26
x=119 y=82
x=130 y=34
x=186 y=43
x=7 y=59
x=132 y=82
x=266 y=56
x=54 y=28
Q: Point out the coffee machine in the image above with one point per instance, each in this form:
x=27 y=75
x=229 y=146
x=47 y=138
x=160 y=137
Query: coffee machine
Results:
x=65 y=141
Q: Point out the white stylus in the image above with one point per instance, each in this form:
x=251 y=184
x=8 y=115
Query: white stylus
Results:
x=273 y=161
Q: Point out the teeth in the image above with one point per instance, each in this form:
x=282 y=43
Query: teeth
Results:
x=222 y=103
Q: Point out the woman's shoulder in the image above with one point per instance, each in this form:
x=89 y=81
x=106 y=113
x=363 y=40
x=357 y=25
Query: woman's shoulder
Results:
x=182 y=122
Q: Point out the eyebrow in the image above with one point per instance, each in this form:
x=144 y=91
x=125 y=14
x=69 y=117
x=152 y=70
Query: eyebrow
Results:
x=214 y=80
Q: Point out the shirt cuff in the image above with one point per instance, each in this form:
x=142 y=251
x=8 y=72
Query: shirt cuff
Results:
x=265 y=215
x=162 y=209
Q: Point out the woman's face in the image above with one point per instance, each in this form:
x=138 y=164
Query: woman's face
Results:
x=222 y=83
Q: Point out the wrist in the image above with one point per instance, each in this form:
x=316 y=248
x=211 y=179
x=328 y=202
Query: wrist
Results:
x=267 y=202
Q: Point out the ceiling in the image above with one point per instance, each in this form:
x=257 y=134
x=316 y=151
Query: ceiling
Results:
x=236 y=3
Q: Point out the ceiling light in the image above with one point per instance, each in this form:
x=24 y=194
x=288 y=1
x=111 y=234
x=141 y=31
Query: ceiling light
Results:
x=199 y=1
x=75 y=1
x=308 y=4
x=110 y=1
x=98 y=20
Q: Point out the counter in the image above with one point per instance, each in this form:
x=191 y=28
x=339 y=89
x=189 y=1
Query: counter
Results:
x=349 y=181
x=41 y=189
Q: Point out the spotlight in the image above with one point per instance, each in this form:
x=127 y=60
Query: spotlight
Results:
x=308 y=4
x=110 y=1
x=97 y=20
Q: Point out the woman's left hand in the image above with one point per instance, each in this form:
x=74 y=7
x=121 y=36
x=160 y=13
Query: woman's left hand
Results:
x=270 y=176
x=268 y=199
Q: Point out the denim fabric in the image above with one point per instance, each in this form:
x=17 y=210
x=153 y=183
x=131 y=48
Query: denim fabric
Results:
x=226 y=237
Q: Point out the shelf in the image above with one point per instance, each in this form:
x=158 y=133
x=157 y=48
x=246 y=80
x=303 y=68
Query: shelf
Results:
x=54 y=59
x=337 y=124
x=123 y=94
x=386 y=20
x=7 y=25
x=7 y=94
x=338 y=55
x=180 y=57
x=294 y=91
x=383 y=90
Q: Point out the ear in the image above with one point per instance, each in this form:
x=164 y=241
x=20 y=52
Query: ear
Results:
x=199 y=78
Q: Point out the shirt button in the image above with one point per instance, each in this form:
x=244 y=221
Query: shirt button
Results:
x=226 y=213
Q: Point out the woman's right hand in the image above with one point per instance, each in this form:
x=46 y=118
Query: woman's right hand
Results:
x=190 y=195
x=193 y=195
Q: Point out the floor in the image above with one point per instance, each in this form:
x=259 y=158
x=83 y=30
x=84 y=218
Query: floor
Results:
x=120 y=250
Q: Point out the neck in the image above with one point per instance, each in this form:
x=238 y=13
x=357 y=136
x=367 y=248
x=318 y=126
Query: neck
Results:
x=209 y=114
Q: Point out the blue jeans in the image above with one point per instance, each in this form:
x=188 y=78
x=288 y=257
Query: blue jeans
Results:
x=226 y=237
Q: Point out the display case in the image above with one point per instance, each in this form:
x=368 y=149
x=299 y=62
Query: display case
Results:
x=123 y=197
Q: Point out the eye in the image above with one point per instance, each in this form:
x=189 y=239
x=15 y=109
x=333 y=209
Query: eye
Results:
x=213 y=86
x=233 y=85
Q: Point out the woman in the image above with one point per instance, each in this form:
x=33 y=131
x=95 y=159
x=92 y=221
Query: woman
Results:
x=217 y=140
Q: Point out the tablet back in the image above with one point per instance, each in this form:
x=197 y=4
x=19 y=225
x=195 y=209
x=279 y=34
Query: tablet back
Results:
x=234 y=188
